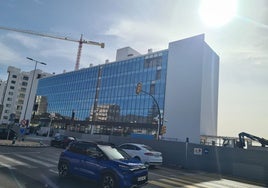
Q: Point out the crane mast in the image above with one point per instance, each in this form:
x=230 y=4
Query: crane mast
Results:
x=78 y=53
x=80 y=42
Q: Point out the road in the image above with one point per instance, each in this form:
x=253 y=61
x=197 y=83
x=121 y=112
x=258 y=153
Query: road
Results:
x=37 y=167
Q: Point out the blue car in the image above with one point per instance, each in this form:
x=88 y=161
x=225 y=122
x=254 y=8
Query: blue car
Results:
x=104 y=163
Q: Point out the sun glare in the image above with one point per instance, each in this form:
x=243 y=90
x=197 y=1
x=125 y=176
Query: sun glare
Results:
x=217 y=13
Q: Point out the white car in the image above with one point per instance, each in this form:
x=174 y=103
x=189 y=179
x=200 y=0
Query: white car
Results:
x=143 y=153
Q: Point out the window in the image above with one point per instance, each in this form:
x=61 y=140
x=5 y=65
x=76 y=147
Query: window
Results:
x=13 y=81
x=24 y=83
x=153 y=62
x=79 y=148
x=10 y=93
x=25 y=78
x=14 y=76
x=129 y=147
x=8 y=105
x=158 y=75
x=20 y=101
x=9 y=99
x=12 y=87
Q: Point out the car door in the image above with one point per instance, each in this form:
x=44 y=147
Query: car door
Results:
x=91 y=163
x=76 y=155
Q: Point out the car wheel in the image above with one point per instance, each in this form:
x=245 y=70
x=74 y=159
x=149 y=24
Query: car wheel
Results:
x=63 y=169
x=136 y=157
x=108 y=181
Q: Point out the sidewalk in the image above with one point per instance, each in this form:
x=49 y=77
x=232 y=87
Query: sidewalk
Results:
x=25 y=143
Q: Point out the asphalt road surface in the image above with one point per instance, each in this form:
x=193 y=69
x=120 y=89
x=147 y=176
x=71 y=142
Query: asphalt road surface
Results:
x=37 y=168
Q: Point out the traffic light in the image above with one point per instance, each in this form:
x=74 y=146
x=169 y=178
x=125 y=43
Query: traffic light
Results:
x=163 y=129
x=138 y=88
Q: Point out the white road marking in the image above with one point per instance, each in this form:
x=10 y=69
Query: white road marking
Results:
x=7 y=166
x=35 y=160
x=15 y=162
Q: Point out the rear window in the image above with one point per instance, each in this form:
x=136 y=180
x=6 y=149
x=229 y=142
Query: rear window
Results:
x=147 y=147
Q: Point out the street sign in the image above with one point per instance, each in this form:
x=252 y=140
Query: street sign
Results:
x=198 y=151
x=22 y=130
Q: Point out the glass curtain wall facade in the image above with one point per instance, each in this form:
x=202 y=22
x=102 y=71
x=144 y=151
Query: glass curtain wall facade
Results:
x=104 y=97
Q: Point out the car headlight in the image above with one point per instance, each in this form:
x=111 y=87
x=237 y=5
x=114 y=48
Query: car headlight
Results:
x=126 y=167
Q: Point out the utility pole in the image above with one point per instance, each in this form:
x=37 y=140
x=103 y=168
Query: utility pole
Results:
x=30 y=91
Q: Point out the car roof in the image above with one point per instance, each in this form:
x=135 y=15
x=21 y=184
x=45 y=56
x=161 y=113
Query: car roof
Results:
x=135 y=144
x=96 y=143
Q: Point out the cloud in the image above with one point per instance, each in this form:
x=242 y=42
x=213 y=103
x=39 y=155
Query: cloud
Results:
x=130 y=30
x=28 y=42
x=144 y=34
x=59 y=49
x=7 y=55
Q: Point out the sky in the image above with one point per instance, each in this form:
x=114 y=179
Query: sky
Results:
x=241 y=42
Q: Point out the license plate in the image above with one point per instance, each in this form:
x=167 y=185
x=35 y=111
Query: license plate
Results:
x=141 y=178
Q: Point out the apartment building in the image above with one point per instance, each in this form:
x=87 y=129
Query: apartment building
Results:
x=18 y=94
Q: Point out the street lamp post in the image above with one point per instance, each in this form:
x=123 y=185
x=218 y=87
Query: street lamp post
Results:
x=138 y=91
x=31 y=59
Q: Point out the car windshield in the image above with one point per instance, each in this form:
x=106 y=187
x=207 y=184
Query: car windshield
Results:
x=113 y=153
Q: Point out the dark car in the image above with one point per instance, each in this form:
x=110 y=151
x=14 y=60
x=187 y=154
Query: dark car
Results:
x=62 y=141
x=109 y=166
x=4 y=134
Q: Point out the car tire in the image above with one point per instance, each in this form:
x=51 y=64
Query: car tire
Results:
x=108 y=181
x=136 y=157
x=63 y=170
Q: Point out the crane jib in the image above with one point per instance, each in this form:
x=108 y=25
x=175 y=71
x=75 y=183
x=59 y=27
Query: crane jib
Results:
x=81 y=41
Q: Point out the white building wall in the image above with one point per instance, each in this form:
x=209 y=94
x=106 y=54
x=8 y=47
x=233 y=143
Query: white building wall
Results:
x=11 y=93
x=209 y=97
x=15 y=97
x=30 y=94
x=186 y=98
x=2 y=90
x=126 y=53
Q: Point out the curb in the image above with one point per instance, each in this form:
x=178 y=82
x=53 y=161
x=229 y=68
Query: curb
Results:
x=25 y=144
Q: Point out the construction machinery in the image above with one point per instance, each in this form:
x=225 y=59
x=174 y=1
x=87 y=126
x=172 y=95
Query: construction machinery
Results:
x=242 y=136
x=80 y=42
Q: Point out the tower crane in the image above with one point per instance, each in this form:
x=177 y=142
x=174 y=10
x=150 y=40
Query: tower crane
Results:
x=80 y=42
